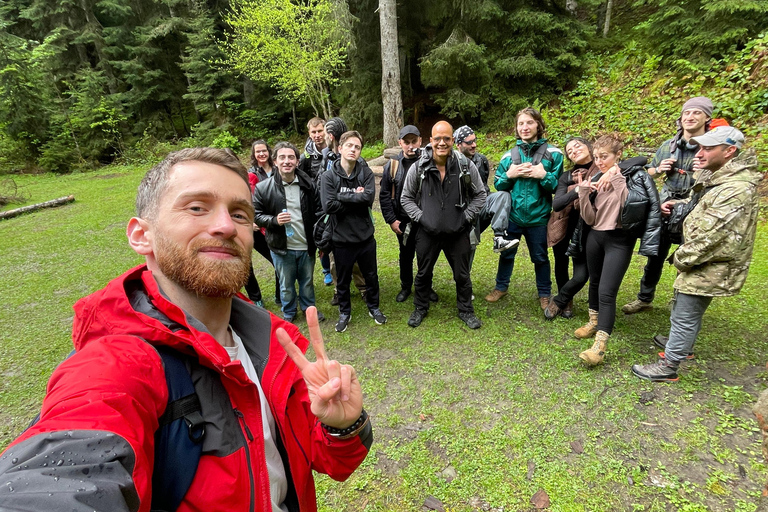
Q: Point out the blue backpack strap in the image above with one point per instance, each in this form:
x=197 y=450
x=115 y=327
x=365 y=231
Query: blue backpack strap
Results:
x=179 y=437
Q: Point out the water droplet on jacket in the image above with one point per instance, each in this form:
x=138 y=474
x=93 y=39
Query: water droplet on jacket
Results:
x=60 y=463
x=14 y=460
x=45 y=464
x=86 y=471
x=55 y=479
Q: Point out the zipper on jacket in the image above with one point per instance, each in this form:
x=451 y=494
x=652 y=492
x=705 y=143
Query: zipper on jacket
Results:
x=246 y=431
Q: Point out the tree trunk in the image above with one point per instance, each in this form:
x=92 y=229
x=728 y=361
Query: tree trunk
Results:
x=391 y=95
x=607 y=26
x=295 y=123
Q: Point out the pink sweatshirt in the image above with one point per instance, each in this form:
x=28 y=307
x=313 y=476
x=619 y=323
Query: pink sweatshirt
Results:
x=605 y=214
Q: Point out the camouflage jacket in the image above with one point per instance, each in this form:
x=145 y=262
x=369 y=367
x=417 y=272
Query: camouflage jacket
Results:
x=719 y=233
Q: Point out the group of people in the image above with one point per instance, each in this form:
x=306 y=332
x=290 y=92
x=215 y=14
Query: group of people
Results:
x=437 y=198
x=183 y=395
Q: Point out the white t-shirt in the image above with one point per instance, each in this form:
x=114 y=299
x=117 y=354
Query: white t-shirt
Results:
x=278 y=483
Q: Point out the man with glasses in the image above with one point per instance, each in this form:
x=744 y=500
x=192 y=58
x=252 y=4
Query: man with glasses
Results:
x=443 y=194
x=675 y=161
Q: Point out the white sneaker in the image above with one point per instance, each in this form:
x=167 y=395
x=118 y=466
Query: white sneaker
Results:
x=501 y=244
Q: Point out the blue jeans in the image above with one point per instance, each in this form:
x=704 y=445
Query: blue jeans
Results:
x=686 y=317
x=290 y=267
x=536 y=240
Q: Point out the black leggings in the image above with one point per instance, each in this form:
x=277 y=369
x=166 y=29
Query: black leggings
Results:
x=252 y=287
x=608 y=256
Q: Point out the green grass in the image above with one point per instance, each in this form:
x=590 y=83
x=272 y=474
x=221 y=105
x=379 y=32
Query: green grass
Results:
x=504 y=407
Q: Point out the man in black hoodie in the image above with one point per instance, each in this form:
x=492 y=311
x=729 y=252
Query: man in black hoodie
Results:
x=392 y=181
x=443 y=194
x=347 y=192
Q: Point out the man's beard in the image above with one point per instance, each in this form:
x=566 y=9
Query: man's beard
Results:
x=206 y=277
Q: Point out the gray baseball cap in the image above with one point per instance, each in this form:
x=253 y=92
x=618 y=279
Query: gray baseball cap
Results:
x=722 y=135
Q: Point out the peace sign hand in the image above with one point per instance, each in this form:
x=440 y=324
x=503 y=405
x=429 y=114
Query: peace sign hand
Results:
x=334 y=392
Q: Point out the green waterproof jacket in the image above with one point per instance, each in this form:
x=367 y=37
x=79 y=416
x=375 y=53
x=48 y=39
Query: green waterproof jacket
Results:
x=719 y=233
x=531 y=198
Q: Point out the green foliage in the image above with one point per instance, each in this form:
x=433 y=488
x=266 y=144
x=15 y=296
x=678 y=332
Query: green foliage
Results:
x=632 y=94
x=696 y=30
x=226 y=140
x=297 y=46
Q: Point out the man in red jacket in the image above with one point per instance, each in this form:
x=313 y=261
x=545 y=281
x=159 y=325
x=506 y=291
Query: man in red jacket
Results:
x=270 y=416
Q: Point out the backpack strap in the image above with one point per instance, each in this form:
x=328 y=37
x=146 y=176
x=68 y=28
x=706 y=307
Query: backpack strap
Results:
x=393 y=165
x=179 y=438
x=541 y=153
x=514 y=154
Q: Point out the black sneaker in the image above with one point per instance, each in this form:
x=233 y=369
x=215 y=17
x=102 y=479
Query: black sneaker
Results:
x=343 y=322
x=403 y=295
x=417 y=317
x=377 y=316
x=660 y=371
x=433 y=297
x=335 y=299
x=320 y=317
x=470 y=319
x=661 y=341
x=289 y=318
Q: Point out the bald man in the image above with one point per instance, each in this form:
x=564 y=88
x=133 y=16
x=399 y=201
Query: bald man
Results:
x=443 y=193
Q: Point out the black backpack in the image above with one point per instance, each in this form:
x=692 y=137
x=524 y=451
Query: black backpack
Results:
x=541 y=153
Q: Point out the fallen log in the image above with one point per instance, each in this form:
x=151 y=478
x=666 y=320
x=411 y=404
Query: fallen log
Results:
x=34 y=207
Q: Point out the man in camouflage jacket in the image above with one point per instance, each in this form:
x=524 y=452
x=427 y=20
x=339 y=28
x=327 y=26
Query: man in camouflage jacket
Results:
x=718 y=238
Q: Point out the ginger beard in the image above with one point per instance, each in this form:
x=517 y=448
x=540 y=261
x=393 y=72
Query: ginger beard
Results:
x=206 y=277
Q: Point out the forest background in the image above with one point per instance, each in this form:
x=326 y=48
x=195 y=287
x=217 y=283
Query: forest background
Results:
x=84 y=83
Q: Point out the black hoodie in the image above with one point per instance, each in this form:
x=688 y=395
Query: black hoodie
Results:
x=352 y=222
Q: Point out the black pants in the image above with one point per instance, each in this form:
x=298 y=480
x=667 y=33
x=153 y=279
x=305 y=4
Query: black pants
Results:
x=252 y=287
x=457 y=249
x=407 y=253
x=345 y=257
x=608 y=256
x=654 y=268
x=568 y=291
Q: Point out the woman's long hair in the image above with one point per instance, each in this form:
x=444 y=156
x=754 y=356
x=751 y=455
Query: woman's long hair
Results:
x=259 y=142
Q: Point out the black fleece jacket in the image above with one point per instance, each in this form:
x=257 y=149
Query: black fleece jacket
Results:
x=390 y=206
x=352 y=222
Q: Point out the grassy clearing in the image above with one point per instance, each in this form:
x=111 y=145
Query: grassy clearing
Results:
x=480 y=420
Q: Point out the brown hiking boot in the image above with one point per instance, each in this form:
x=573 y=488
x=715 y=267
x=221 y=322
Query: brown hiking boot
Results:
x=544 y=302
x=495 y=295
x=551 y=311
x=636 y=306
x=567 y=311
x=596 y=353
x=590 y=328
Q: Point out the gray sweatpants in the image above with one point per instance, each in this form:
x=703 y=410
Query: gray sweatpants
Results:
x=685 y=320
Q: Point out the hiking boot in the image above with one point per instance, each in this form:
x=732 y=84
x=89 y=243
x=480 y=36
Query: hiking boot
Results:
x=343 y=322
x=403 y=295
x=501 y=244
x=596 y=353
x=335 y=299
x=377 y=316
x=470 y=319
x=495 y=295
x=567 y=311
x=636 y=306
x=590 y=328
x=417 y=317
x=433 y=297
x=328 y=279
x=660 y=371
x=551 y=311
x=661 y=341
x=544 y=302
